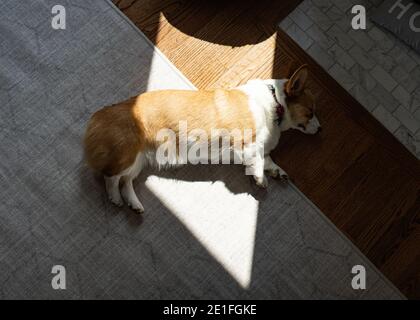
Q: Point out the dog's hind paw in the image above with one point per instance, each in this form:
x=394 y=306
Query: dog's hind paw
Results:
x=262 y=182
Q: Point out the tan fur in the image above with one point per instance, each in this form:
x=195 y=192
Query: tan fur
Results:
x=300 y=101
x=302 y=107
x=113 y=139
x=296 y=84
x=116 y=134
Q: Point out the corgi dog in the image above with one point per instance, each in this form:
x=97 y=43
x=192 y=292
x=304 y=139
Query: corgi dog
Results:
x=122 y=139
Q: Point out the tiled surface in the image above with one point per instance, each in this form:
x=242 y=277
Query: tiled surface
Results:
x=379 y=70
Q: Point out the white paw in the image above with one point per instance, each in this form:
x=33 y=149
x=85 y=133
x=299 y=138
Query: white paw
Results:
x=261 y=181
x=136 y=206
x=117 y=201
x=284 y=176
x=275 y=173
x=279 y=174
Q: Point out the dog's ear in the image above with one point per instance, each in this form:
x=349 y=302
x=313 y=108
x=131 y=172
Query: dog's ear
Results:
x=291 y=68
x=296 y=83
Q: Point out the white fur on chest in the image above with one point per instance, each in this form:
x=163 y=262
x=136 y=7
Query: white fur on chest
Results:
x=263 y=107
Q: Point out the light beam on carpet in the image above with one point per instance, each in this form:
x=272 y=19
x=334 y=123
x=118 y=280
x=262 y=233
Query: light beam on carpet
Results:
x=224 y=222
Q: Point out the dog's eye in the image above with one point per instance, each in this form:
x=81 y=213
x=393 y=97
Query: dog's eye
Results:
x=311 y=115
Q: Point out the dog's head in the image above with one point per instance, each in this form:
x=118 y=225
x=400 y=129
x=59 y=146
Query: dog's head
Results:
x=301 y=103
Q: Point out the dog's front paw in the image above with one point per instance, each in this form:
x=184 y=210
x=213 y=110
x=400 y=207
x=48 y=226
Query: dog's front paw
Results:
x=117 y=201
x=262 y=182
x=278 y=173
x=284 y=177
x=136 y=206
x=274 y=173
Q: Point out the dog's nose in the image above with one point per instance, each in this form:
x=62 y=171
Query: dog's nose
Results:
x=319 y=130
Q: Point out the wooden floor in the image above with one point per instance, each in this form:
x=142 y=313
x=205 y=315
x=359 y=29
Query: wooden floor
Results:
x=356 y=172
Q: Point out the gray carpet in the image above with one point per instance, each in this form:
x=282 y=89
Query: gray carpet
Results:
x=207 y=231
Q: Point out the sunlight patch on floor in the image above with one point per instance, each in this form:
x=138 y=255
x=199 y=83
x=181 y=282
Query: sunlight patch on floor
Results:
x=162 y=75
x=223 y=222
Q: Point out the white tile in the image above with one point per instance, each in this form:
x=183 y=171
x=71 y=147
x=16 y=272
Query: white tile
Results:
x=385 y=98
x=414 y=55
x=341 y=56
x=343 y=39
x=405 y=80
x=402 y=96
x=383 y=78
x=415 y=102
x=362 y=57
x=417 y=115
x=365 y=98
x=381 y=39
x=363 y=78
x=297 y=34
x=415 y=74
x=319 y=18
x=407 y=119
x=410 y=141
x=362 y=39
x=386 y=118
x=340 y=18
x=321 y=56
x=343 y=5
x=402 y=58
x=285 y=23
x=324 y=5
x=305 y=5
x=342 y=76
x=320 y=37
x=301 y=19
x=383 y=58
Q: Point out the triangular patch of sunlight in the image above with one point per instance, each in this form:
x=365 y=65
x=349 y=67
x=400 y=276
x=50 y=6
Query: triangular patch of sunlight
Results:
x=224 y=222
x=163 y=75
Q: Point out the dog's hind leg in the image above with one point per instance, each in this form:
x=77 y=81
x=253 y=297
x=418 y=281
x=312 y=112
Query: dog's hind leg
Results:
x=113 y=190
x=127 y=189
x=130 y=196
x=259 y=176
x=254 y=163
